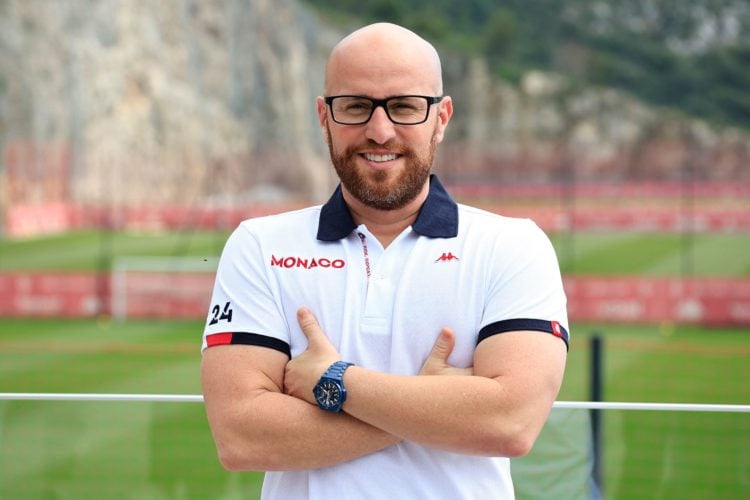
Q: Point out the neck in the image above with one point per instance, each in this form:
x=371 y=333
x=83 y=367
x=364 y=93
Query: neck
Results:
x=385 y=225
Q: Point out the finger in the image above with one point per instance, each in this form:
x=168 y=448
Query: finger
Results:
x=443 y=345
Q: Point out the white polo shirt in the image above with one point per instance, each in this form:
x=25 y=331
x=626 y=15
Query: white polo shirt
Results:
x=476 y=272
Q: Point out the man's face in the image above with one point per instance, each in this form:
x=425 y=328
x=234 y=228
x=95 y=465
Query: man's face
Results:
x=381 y=164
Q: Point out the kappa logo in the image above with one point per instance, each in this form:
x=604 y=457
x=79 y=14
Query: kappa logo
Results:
x=447 y=257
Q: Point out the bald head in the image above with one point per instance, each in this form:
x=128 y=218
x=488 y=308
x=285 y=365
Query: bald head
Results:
x=387 y=57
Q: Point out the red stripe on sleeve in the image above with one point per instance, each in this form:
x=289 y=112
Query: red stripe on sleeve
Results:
x=219 y=339
x=556 y=329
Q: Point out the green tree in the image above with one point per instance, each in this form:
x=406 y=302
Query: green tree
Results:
x=498 y=35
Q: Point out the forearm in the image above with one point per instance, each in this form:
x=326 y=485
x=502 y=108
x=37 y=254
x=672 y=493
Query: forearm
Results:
x=273 y=431
x=471 y=415
x=257 y=427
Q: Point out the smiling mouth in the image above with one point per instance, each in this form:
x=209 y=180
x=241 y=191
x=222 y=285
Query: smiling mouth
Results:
x=380 y=158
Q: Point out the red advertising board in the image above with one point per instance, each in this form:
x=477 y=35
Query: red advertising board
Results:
x=709 y=301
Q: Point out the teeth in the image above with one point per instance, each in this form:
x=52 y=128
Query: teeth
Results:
x=381 y=158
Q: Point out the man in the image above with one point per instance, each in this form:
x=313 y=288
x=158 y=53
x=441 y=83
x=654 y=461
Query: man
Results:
x=454 y=318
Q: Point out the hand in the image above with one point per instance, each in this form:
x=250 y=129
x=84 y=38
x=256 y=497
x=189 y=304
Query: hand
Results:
x=437 y=362
x=304 y=371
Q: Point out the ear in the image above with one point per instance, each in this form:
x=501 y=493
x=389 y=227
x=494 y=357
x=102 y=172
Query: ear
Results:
x=323 y=118
x=445 y=111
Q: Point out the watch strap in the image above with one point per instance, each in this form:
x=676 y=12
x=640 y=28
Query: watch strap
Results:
x=337 y=369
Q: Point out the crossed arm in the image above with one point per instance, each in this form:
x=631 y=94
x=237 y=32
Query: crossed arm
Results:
x=263 y=417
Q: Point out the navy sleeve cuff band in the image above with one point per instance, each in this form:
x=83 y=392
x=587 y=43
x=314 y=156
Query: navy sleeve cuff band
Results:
x=515 y=325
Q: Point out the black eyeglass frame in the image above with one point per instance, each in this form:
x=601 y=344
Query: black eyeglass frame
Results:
x=376 y=103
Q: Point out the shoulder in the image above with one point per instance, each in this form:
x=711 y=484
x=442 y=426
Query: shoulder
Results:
x=287 y=228
x=478 y=221
x=510 y=241
x=288 y=224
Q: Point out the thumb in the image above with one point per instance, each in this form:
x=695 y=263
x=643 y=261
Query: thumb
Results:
x=309 y=325
x=443 y=345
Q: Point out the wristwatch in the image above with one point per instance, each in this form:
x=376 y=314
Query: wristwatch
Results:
x=329 y=392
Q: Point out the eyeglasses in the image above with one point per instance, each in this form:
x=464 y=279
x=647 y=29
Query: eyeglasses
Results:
x=401 y=110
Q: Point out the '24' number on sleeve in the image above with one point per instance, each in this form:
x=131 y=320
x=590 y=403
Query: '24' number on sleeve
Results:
x=218 y=314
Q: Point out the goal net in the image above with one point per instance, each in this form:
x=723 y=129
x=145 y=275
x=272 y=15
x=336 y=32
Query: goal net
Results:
x=162 y=287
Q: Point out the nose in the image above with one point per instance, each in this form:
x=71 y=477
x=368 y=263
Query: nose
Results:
x=380 y=128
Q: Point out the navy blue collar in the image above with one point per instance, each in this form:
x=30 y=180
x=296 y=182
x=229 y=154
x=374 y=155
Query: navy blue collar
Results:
x=438 y=217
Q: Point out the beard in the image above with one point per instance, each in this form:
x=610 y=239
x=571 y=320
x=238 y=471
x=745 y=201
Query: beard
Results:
x=373 y=188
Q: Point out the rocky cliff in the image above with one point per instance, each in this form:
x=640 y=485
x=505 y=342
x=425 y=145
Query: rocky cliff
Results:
x=212 y=101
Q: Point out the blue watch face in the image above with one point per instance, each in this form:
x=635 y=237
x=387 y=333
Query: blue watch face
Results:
x=328 y=394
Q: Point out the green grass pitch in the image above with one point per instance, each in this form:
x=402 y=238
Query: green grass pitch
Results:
x=108 y=450
x=164 y=450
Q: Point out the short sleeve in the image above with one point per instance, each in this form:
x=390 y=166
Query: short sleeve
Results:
x=243 y=308
x=525 y=290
